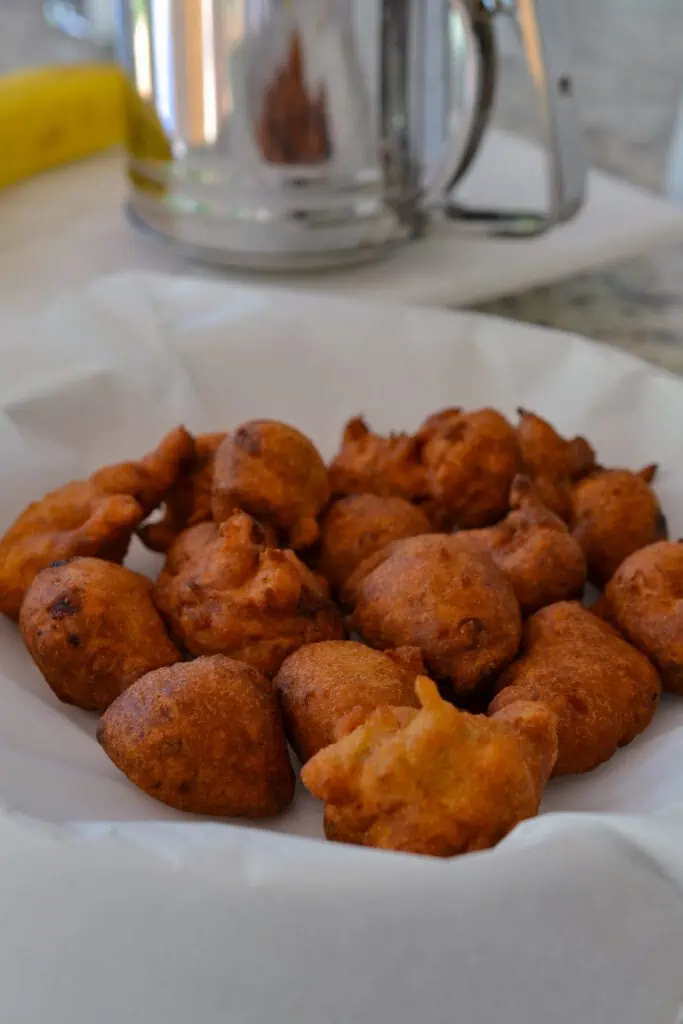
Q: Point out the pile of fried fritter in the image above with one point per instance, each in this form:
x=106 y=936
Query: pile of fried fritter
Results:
x=407 y=620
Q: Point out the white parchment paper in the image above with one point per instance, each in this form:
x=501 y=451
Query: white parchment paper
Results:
x=115 y=908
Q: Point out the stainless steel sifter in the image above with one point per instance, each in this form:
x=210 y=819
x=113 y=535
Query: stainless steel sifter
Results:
x=270 y=134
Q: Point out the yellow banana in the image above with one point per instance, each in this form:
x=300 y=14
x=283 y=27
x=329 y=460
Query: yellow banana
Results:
x=55 y=115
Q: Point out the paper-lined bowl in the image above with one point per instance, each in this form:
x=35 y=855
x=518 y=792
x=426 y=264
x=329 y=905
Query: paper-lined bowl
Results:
x=117 y=908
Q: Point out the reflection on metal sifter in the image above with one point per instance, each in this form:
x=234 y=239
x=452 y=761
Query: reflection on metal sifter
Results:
x=314 y=133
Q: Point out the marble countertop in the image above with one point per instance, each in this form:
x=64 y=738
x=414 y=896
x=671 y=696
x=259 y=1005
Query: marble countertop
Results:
x=629 y=70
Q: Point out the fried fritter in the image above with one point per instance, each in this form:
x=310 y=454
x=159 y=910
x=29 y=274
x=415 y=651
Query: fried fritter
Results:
x=189 y=500
x=151 y=478
x=371 y=464
x=92 y=629
x=360 y=525
x=535 y=550
x=274 y=473
x=223 y=591
x=94 y=517
x=644 y=600
x=471 y=459
x=552 y=462
x=69 y=522
x=321 y=685
x=456 y=605
x=614 y=513
x=439 y=781
x=602 y=690
x=204 y=737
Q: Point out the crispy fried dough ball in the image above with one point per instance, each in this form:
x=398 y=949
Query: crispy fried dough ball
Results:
x=438 y=781
x=371 y=464
x=535 y=550
x=362 y=524
x=602 y=690
x=94 y=517
x=552 y=462
x=273 y=472
x=645 y=601
x=471 y=459
x=223 y=591
x=454 y=604
x=151 y=478
x=204 y=737
x=614 y=513
x=323 y=685
x=189 y=500
x=92 y=629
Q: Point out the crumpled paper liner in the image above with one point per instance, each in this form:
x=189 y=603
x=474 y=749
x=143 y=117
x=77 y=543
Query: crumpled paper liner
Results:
x=116 y=908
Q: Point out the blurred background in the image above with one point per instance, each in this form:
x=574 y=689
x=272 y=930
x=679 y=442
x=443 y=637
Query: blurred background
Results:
x=629 y=74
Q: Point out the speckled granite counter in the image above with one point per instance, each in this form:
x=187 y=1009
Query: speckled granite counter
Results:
x=630 y=75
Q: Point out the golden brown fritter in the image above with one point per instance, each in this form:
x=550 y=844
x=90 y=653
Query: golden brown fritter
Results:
x=552 y=462
x=151 y=478
x=223 y=591
x=602 y=690
x=471 y=459
x=439 y=781
x=614 y=513
x=189 y=500
x=371 y=464
x=323 y=685
x=274 y=473
x=644 y=599
x=92 y=629
x=454 y=604
x=360 y=525
x=204 y=737
x=69 y=522
x=94 y=517
x=535 y=550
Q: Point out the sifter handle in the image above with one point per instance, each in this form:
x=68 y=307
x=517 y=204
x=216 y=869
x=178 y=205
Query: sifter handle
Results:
x=480 y=88
x=545 y=32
